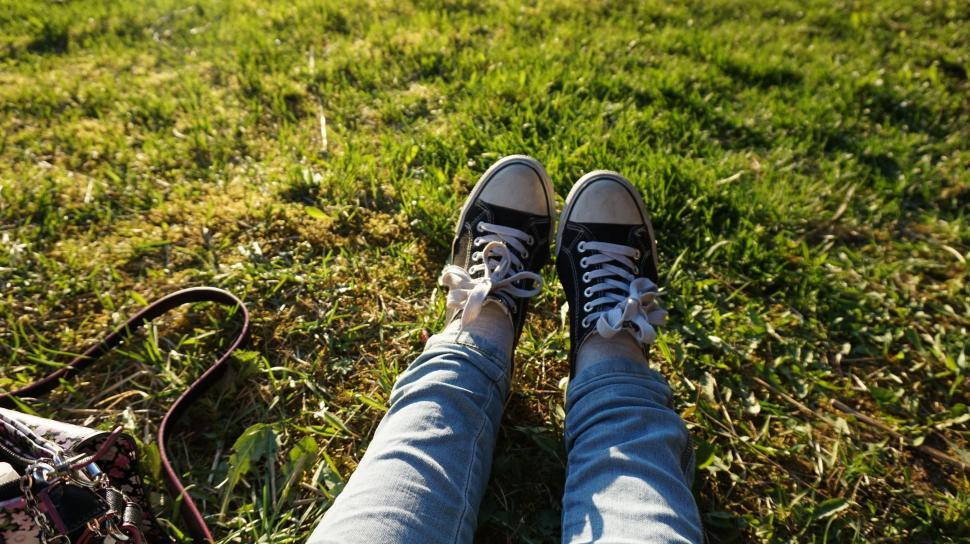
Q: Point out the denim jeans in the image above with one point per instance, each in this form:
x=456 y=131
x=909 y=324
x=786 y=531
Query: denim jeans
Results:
x=423 y=476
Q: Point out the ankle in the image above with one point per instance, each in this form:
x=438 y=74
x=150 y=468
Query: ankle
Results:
x=493 y=324
x=597 y=349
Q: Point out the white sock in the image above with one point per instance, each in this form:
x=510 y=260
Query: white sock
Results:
x=598 y=349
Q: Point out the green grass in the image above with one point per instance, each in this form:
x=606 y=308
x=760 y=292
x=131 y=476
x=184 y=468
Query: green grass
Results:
x=807 y=166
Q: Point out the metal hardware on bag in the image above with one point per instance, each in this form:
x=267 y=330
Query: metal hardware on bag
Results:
x=107 y=526
x=39 y=471
x=92 y=477
x=33 y=439
x=47 y=533
x=191 y=515
x=111 y=526
x=14 y=455
x=43 y=471
x=63 y=468
x=94 y=472
x=94 y=527
x=117 y=532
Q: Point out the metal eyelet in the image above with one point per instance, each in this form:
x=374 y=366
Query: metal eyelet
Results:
x=583 y=262
x=637 y=255
x=586 y=277
x=587 y=308
x=477 y=241
x=530 y=241
x=585 y=323
x=477 y=255
x=587 y=293
x=581 y=246
x=480 y=227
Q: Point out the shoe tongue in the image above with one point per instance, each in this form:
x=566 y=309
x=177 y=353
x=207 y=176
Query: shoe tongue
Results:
x=508 y=217
x=613 y=234
x=497 y=215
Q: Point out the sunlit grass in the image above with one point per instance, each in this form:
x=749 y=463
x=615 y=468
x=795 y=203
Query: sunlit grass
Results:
x=806 y=166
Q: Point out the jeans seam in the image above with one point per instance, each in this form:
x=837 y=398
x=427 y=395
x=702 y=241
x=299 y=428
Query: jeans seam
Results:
x=491 y=358
x=478 y=438
x=580 y=391
x=687 y=459
x=494 y=358
x=649 y=376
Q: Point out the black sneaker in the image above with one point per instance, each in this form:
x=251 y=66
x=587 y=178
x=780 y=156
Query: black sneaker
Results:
x=501 y=241
x=606 y=258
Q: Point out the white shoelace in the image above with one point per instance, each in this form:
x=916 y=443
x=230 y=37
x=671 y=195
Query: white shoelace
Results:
x=498 y=268
x=628 y=302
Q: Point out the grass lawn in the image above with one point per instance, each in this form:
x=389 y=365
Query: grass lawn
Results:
x=807 y=165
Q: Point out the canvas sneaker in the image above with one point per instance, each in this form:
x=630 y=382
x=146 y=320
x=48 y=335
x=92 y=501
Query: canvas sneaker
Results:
x=606 y=257
x=501 y=241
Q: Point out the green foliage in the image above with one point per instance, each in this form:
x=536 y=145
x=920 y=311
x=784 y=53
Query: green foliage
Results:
x=805 y=165
x=253 y=445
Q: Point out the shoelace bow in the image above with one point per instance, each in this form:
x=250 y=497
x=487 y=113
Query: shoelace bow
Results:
x=499 y=268
x=632 y=301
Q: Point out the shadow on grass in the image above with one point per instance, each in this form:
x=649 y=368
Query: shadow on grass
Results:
x=524 y=498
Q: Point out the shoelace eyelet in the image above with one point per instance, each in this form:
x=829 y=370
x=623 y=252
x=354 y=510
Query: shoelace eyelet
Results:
x=585 y=323
x=587 y=292
x=586 y=277
x=502 y=263
x=581 y=246
x=637 y=255
x=587 y=308
x=583 y=262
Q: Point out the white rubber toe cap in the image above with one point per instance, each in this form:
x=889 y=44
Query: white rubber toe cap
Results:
x=606 y=200
x=516 y=186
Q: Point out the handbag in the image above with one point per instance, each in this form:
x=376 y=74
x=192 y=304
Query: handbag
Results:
x=65 y=484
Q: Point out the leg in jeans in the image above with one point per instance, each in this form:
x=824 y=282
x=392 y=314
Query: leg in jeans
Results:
x=630 y=459
x=424 y=474
x=629 y=454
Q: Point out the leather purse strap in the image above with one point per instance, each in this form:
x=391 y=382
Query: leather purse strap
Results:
x=190 y=512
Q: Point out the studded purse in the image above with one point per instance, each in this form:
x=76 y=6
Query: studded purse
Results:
x=61 y=483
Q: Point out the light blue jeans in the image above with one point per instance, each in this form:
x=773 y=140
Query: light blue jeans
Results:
x=422 y=479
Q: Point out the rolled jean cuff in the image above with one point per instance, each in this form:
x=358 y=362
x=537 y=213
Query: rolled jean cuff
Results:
x=487 y=356
x=613 y=371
